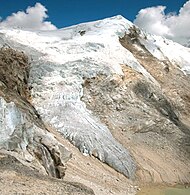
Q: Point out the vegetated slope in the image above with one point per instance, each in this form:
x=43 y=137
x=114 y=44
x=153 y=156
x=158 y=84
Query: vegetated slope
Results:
x=116 y=93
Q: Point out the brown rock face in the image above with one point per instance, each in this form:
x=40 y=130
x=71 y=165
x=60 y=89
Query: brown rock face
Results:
x=151 y=119
x=14 y=68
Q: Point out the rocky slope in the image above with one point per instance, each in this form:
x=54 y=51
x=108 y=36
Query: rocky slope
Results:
x=119 y=95
x=19 y=179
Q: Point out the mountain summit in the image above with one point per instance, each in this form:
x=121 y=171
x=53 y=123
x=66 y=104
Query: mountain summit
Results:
x=118 y=94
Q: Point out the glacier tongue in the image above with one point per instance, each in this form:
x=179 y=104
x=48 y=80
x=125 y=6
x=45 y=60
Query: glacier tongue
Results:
x=63 y=109
x=57 y=98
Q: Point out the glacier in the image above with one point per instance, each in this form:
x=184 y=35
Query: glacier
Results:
x=62 y=59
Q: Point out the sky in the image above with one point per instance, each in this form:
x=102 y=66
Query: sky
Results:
x=163 y=17
x=68 y=12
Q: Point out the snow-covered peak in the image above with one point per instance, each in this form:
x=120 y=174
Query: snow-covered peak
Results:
x=116 y=24
x=96 y=42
